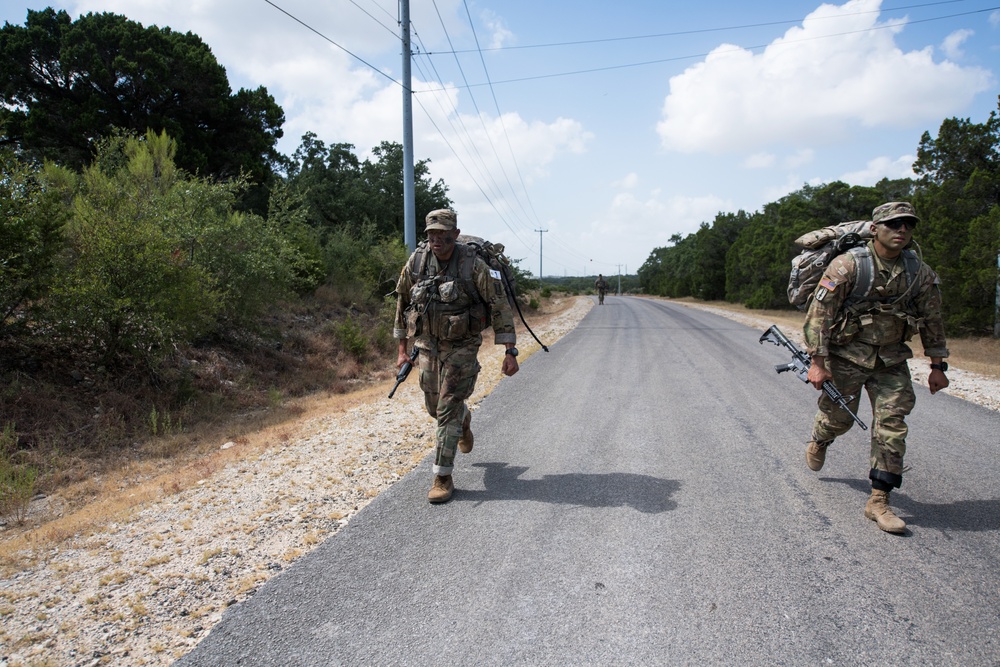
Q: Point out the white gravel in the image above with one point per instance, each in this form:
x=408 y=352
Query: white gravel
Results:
x=145 y=590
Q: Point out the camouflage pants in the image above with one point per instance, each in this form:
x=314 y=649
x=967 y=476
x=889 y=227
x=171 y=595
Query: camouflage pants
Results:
x=890 y=389
x=447 y=379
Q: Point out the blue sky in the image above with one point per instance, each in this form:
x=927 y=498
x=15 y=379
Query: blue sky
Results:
x=613 y=126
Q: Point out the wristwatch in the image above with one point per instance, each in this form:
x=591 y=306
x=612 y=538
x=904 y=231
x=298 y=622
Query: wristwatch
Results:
x=943 y=366
x=511 y=351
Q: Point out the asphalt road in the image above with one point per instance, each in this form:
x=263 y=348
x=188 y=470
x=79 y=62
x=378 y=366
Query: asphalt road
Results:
x=639 y=496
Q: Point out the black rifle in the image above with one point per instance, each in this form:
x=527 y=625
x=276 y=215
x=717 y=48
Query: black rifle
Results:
x=800 y=364
x=404 y=370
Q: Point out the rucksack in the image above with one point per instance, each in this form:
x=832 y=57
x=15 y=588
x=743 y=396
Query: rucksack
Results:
x=821 y=246
x=492 y=254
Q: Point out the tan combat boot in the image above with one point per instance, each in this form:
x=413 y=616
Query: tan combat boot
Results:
x=441 y=490
x=878 y=510
x=816 y=454
x=465 y=442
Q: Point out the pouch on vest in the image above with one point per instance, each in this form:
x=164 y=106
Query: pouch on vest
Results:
x=413 y=322
x=455 y=327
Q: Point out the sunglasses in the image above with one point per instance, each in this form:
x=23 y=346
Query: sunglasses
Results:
x=899 y=222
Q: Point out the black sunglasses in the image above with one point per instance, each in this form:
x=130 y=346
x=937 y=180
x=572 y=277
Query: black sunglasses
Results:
x=896 y=223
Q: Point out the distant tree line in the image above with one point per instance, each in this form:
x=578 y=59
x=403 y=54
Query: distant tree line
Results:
x=746 y=257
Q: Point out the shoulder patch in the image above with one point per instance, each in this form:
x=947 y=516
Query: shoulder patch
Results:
x=495 y=274
x=829 y=283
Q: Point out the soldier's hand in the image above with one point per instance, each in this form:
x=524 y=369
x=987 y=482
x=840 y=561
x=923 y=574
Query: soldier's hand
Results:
x=509 y=365
x=818 y=373
x=401 y=359
x=937 y=380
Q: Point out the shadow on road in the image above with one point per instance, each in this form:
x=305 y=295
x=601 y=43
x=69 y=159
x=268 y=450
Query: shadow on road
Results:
x=646 y=494
x=970 y=515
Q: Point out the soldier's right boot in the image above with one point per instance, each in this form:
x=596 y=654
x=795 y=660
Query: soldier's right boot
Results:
x=466 y=440
x=816 y=454
x=441 y=490
x=877 y=509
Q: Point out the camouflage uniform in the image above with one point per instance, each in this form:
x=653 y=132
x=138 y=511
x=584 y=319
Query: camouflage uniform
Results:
x=434 y=306
x=602 y=288
x=868 y=349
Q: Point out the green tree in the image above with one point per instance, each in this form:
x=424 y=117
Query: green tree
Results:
x=958 y=199
x=31 y=221
x=156 y=257
x=65 y=83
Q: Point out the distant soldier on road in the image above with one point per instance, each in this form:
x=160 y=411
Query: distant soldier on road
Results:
x=445 y=297
x=860 y=341
x=601 y=285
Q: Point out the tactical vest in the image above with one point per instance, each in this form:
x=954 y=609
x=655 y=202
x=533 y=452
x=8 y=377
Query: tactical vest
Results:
x=447 y=306
x=877 y=319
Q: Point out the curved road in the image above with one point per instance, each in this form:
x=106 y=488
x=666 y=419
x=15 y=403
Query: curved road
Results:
x=639 y=495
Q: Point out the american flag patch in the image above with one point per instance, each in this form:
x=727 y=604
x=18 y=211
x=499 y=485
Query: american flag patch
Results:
x=828 y=283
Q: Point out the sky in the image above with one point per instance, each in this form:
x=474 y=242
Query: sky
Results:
x=583 y=135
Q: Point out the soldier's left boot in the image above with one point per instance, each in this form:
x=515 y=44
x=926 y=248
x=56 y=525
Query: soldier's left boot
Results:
x=877 y=509
x=816 y=454
x=441 y=490
x=466 y=441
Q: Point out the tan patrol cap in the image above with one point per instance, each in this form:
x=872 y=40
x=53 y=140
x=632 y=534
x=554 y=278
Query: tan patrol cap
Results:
x=443 y=218
x=894 y=209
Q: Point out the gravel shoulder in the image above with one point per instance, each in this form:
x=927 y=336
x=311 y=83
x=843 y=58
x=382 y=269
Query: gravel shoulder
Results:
x=147 y=586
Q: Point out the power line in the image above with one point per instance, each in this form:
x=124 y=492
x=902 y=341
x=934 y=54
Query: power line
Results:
x=733 y=50
x=314 y=30
x=699 y=31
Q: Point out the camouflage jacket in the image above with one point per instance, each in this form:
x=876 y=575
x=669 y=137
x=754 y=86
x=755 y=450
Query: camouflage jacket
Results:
x=865 y=332
x=489 y=290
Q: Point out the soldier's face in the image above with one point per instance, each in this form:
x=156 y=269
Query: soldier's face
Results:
x=442 y=242
x=894 y=240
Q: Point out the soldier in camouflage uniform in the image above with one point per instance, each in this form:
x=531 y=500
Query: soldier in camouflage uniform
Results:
x=444 y=295
x=863 y=344
x=602 y=288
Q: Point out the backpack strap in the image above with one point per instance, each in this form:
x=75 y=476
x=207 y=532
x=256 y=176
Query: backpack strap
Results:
x=864 y=277
x=420 y=259
x=467 y=262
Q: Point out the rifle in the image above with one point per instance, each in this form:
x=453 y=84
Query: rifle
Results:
x=800 y=364
x=404 y=370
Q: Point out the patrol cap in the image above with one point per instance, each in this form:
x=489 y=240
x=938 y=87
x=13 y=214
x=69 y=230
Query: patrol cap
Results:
x=894 y=209
x=442 y=218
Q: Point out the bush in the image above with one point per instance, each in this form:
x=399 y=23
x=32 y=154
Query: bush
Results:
x=31 y=220
x=17 y=481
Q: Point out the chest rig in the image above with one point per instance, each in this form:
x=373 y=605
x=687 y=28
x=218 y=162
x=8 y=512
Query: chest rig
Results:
x=881 y=311
x=446 y=304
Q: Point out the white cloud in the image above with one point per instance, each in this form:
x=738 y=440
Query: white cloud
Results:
x=994 y=19
x=761 y=160
x=818 y=82
x=882 y=167
x=952 y=45
x=627 y=183
x=499 y=34
x=799 y=158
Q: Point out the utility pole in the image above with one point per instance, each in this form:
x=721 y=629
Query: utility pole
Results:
x=540 y=232
x=409 y=204
x=619 y=280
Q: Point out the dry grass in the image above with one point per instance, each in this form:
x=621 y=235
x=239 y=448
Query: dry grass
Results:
x=96 y=490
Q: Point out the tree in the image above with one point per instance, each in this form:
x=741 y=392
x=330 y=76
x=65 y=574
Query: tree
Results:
x=156 y=257
x=31 y=221
x=66 y=84
x=958 y=202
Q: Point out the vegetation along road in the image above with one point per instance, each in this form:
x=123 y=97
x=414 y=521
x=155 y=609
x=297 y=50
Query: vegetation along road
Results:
x=639 y=495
